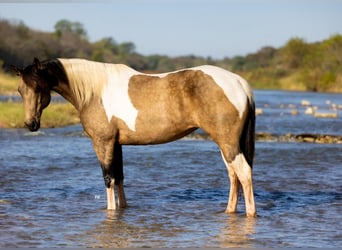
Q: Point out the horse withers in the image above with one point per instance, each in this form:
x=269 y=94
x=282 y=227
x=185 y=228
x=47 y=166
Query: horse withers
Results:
x=120 y=106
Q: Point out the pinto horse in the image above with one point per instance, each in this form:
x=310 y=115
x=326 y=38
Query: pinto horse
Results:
x=120 y=106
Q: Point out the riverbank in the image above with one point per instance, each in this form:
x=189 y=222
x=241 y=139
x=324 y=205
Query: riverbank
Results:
x=8 y=84
x=55 y=115
x=64 y=114
x=269 y=137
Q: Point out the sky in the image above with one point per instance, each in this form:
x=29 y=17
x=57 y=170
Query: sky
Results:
x=215 y=28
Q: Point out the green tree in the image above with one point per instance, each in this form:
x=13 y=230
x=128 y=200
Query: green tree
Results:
x=126 y=48
x=322 y=64
x=333 y=52
x=238 y=63
x=310 y=71
x=105 y=50
x=294 y=52
x=65 y=26
x=137 y=61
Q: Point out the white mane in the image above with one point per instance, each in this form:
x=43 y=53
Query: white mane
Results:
x=87 y=79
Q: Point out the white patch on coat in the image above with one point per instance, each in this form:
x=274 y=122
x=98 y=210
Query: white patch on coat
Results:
x=115 y=98
x=242 y=168
x=235 y=88
x=117 y=103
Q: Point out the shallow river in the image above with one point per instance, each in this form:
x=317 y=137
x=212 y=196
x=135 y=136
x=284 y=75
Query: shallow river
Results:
x=52 y=192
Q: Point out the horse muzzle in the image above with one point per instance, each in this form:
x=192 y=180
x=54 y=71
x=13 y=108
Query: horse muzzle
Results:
x=33 y=126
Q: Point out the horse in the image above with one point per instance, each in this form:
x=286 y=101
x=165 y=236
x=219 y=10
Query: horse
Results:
x=118 y=106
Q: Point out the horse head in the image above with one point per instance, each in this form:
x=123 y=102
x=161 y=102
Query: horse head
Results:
x=35 y=92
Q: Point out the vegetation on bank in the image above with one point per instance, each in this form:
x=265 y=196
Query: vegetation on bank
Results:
x=8 y=84
x=298 y=65
x=55 y=115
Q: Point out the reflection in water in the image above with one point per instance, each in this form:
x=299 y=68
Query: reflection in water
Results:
x=115 y=231
x=238 y=232
x=112 y=232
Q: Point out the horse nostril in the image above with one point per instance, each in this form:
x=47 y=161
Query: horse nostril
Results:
x=33 y=126
x=36 y=125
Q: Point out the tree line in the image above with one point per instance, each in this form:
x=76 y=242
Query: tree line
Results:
x=313 y=66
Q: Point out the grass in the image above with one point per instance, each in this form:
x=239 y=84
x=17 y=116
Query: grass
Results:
x=63 y=114
x=8 y=84
x=12 y=113
x=291 y=83
x=55 y=115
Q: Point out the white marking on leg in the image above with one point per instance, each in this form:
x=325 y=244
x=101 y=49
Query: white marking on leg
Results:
x=241 y=167
x=115 y=96
x=234 y=87
x=244 y=173
x=234 y=188
x=111 y=204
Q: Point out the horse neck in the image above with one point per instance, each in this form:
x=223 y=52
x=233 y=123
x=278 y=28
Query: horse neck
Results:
x=64 y=90
x=59 y=81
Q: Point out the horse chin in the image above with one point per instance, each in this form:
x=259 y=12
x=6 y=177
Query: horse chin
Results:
x=33 y=126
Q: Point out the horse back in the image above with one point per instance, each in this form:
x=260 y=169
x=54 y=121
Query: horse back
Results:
x=170 y=105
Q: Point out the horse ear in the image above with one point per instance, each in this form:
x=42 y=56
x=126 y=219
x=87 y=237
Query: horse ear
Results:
x=37 y=64
x=16 y=70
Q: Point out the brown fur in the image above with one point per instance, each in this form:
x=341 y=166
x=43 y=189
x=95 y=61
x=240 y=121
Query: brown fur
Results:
x=175 y=105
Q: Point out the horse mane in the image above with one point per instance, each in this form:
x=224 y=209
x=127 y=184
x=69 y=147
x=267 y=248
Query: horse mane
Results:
x=86 y=78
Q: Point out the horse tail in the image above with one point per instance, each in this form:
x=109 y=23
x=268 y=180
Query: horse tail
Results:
x=247 y=139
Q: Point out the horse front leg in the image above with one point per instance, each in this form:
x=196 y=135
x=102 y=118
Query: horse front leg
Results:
x=110 y=190
x=118 y=175
x=109 y=154
x=104 y=151
x=111 y=204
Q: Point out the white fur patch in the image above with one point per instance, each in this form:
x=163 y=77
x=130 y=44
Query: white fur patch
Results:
x=234 y=86
x=115 y=96
x=117 y=103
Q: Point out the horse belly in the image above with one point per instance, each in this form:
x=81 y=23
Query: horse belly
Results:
x=155 y=132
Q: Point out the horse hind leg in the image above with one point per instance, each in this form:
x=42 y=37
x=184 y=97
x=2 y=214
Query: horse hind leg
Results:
x=233 y=190
x=240 y=171
x=244 y=173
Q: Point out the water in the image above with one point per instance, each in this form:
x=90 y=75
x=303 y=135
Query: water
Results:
x=52 y=192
